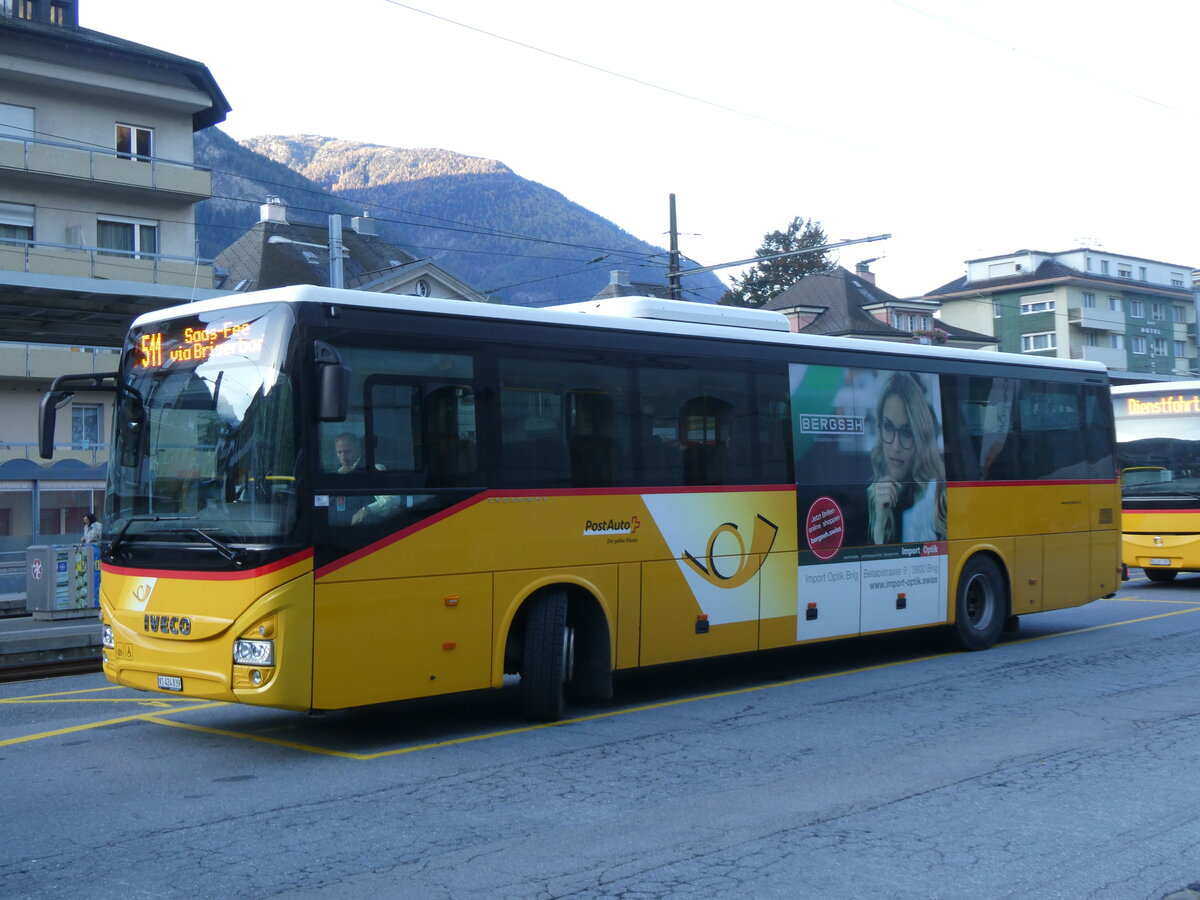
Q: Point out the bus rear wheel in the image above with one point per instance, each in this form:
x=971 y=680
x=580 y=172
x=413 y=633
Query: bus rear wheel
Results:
x=548 y=658
x=1161 y=575
x=981 y=604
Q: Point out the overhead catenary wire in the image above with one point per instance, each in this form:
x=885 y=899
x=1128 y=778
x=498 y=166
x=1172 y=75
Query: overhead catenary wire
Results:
x=627 y=255
x=450 y=225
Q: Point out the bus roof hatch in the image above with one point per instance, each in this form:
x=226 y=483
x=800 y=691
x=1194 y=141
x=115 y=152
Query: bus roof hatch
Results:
x=681 y=311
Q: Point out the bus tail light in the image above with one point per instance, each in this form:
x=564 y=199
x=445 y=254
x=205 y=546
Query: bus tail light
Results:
x=254 y=653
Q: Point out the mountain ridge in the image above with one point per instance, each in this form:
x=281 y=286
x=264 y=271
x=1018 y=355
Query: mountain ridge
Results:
x=503 y=234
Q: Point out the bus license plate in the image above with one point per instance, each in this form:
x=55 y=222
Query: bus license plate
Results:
x=170 y=683
x=1160 y=562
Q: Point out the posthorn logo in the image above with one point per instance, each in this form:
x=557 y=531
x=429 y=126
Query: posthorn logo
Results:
x=740 y=566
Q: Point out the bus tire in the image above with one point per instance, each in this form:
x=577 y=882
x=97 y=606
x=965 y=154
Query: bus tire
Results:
x=981 y=604
x=547 y=659
x=1162 y=576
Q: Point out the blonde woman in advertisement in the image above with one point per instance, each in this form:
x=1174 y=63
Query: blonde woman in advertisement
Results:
x=907 y=499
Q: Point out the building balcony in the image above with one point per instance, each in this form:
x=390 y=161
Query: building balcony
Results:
x=45 y=361
x=44 y=258
x=101 y=167
x=1114 y=359
x=1098 y=319
x=91 y=454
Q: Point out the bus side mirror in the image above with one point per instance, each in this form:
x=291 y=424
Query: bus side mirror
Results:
x=48 y=414
x=132 y=422
x=333 y=384
x=333 y=393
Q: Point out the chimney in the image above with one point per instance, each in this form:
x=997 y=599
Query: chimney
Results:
x=863 y=271
x=619 y=278
x=273 y=210
x=363 y=224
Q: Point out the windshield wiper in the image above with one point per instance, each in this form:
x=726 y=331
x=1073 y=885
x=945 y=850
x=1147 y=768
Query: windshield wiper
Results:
x=235 y=556
x=119 y=537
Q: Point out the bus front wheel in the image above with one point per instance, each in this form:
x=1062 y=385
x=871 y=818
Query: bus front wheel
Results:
x=548 y=657
x=1161 y=575
x=981 y=605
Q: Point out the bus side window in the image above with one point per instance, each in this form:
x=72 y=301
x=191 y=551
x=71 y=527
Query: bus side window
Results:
x=1098 y=429
x=705 y=426
x=998 y=450
x=981 y=442
x=533 y=449
x=590 y=439
x=448 y=436
x=394 y=424
x=772 y=443
x=962 y=427
x=698 y=423
x=566 y=421
x=1051 y=431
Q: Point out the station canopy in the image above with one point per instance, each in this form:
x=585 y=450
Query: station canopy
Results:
x=87 y=312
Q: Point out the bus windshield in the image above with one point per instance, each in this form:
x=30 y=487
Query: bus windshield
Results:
x=205 y=446
x=1159 y=454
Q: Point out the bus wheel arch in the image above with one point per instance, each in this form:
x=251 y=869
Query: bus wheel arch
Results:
x=981 y=602
x=559 y=643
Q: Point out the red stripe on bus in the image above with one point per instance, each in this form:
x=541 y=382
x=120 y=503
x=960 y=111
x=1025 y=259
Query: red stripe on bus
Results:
x=675 y=489
x=491 y=496
x=1156 y=512
x=1065 y=481
x=193 y=575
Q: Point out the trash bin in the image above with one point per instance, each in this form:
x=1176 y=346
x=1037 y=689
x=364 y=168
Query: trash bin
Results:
x=59 y=581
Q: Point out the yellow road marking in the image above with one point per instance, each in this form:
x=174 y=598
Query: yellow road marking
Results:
x=58 y=732
x=1176 y=612
x=18 y=701
x=157 y=717
x=111 y=687
x=1149 y=600
x=223 y=732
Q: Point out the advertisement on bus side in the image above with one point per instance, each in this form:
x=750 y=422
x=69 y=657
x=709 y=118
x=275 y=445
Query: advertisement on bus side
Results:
x=871 y=499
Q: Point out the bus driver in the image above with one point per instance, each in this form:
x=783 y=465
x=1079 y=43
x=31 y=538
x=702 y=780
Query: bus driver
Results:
x=348 y=449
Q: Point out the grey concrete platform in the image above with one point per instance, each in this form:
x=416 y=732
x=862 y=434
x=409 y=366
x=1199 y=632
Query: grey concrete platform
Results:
x=27 y=641
x=12 y=605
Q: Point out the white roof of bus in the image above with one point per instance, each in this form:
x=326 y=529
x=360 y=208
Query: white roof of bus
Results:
x=649 y=316
x=1156 y=387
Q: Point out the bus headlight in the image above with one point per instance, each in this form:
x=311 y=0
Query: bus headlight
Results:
x=106 y=636
x=254 y=653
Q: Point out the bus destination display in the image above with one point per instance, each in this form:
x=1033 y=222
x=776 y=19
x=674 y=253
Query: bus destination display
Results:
x=1160 y=405
x=192 y=346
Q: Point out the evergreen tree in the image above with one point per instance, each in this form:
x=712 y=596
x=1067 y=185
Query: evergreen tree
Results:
x=770 y=277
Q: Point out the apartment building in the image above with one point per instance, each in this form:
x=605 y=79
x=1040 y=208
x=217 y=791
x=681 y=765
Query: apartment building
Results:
x=97 y=192
x=1135 y=315
x=839 y=303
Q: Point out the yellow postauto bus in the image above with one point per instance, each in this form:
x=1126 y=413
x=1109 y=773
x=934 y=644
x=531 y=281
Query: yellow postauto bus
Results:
x=320 y=499
x=1158 y=448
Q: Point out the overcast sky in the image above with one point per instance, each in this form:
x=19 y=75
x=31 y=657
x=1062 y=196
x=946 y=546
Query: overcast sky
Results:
x=963 y=128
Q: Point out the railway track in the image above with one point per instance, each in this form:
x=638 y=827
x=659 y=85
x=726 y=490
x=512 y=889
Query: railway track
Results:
x=49 y=669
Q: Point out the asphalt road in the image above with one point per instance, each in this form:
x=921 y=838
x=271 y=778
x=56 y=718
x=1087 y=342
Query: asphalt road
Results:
x=1064 y=762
